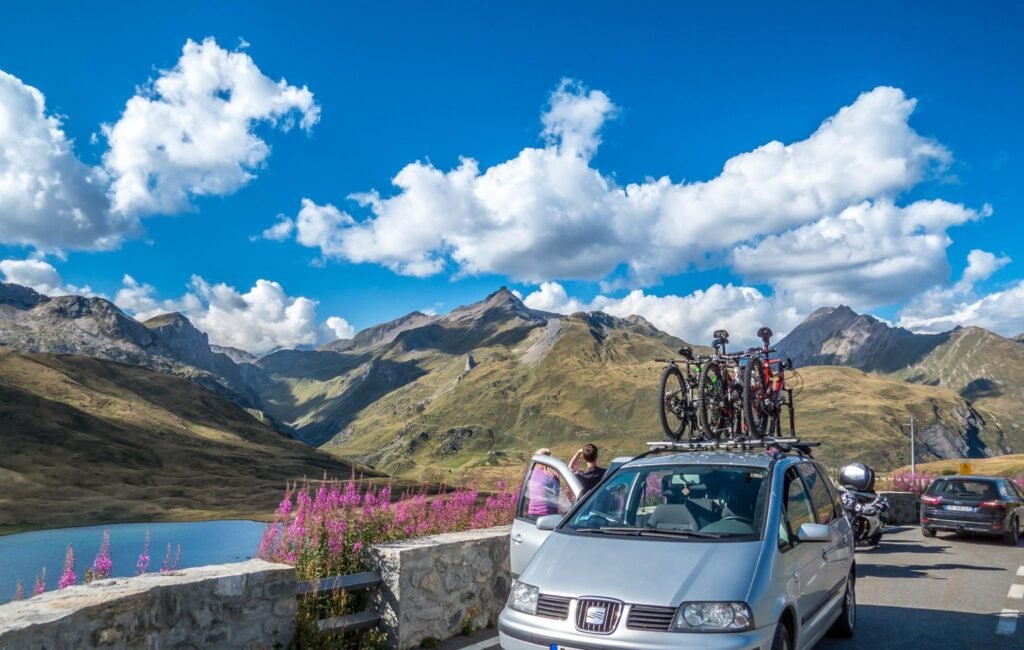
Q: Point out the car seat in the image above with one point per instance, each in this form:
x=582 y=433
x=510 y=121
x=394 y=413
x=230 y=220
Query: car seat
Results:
x=672 y=516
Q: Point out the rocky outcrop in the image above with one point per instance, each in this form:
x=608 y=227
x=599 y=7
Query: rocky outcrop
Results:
x=838 y=336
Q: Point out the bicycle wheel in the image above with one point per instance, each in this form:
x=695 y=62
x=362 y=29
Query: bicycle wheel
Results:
x=674 y=407
x=712 y=396
x=754 y=399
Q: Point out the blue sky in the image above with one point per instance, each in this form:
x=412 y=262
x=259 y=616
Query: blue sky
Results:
x=692 y=85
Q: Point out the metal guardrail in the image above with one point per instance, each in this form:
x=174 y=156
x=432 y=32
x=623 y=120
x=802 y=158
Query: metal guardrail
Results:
x=347 y=583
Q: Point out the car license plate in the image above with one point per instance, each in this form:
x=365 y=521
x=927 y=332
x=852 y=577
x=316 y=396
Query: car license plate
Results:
x=960 y=508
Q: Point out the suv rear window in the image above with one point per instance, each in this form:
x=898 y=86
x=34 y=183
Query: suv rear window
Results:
x=677 y=501
x=967 y=488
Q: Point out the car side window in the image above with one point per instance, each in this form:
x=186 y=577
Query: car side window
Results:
x=543 y=493
x=798 y=505
x=821 y=499
x=1017 y=489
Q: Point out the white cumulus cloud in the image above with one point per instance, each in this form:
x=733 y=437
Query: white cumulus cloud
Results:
x=191 y=131
x=693 y=317
x=549 y=214
x=41 y=276
x=258 y=320
x=48 y=198
x=340 y=328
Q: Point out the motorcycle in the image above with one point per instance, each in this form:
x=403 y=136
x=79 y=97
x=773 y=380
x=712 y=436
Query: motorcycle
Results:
x=864 y=507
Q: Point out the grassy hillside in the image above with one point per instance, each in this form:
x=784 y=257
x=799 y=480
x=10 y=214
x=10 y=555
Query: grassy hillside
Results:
x=1011 y=465
x=87 y=440
x=984 y=368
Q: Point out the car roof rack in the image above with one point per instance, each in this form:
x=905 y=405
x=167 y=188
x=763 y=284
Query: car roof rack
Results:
x=780 y=445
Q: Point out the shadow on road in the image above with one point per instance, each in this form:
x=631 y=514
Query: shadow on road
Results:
x=865 y=570
x=977 y=540
x=898 y=628
x=899 y=546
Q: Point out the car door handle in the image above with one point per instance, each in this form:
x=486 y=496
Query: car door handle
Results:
x=517 y=538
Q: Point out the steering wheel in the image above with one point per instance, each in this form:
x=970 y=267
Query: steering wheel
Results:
x=746 y=520
x=607 y=518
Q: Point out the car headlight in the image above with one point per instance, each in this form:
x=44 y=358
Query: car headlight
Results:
x=713 y=617
x=523 y=598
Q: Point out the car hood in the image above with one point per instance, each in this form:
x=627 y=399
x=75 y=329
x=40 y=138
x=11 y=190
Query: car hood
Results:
x=647 y=571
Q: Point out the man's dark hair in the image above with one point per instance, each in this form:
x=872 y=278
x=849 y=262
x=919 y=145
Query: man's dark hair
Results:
x=590 y=453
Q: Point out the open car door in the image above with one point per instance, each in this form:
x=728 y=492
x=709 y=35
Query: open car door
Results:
x=549 y=488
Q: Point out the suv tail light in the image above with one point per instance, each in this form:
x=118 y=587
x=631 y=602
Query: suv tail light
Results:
x=995 y=503
x=929 y=499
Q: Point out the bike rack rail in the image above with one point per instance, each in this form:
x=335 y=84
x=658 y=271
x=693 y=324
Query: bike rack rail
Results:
x=802 y=447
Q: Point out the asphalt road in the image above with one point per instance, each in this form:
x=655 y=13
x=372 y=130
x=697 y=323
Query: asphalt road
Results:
x=912 y=592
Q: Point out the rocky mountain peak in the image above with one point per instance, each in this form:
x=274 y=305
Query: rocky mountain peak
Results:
x=20 y=297
x=841 y=336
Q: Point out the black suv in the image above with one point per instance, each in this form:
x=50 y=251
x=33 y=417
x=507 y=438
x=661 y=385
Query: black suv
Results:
x=973 y=504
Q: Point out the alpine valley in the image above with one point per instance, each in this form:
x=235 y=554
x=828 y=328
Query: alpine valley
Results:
x=465 y=396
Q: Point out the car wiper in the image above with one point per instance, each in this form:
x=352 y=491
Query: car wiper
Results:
x=635 y=531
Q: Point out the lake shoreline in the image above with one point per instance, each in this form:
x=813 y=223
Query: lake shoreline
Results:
x=262 y=518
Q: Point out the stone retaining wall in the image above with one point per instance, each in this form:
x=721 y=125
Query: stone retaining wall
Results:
x=247 y=605
x=905 y=508
x=433 y=587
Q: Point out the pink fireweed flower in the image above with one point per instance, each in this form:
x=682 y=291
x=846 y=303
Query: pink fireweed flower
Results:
x=69 y=577
x=166 y=566
x=102 y=565
x=40 y=582
x=142 y=565
x=19 y=591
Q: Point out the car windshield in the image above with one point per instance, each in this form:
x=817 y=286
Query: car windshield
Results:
x=697 y=501
x=965 y=488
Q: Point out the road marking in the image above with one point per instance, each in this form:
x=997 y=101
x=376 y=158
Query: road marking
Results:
x=1020 y=570
x=1016 y=591
x=1007 y=622
x=482 y=645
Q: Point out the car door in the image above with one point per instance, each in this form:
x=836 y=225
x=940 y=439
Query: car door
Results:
x=1017 y=495
x=837 y=554
x=549 y=487
x=805 y=562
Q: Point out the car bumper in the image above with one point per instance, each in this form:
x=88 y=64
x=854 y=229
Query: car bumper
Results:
x=987 y=527
x=518 y=631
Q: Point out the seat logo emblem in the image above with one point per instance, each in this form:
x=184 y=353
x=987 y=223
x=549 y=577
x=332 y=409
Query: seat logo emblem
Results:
x=595 y=615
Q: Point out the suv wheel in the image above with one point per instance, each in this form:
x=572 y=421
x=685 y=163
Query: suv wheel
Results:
x=927 y=532
x=847 y=621
x=1012 y=534
x=781 y=639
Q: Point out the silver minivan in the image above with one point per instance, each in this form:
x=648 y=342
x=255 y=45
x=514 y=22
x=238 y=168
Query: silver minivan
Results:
x=692 y=549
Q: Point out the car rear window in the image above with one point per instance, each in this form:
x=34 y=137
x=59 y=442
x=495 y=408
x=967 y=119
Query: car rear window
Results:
x=965 y=488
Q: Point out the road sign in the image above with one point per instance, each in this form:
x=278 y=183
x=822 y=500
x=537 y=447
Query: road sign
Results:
x=965 y=468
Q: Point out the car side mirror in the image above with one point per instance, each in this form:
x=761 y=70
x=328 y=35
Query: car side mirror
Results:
x=812 y=533
x=549 y=522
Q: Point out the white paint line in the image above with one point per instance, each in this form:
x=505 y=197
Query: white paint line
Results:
x=1020 y=570
x=1016 y=591
x=1007 y=622
x=483 y=645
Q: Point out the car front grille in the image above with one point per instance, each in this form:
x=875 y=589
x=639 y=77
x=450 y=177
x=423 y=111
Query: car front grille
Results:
x=647 y=617
x=553 y=607
x=597 y=616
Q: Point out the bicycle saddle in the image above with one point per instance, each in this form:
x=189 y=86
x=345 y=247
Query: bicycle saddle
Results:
x=686 y=351
x=722 y=336
x=765 y=334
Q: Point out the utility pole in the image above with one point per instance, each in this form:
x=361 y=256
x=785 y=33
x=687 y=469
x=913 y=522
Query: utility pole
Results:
x=913 y=464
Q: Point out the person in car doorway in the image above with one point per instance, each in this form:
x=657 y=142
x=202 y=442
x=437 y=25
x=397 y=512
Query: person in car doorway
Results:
x=592 y=475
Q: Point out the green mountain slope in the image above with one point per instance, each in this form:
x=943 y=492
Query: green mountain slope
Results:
x=89 y=440
x=472 y=394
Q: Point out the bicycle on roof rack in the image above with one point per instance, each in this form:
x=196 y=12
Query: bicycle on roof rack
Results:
x=707 y=399
x=678 y=397
x=765 y=390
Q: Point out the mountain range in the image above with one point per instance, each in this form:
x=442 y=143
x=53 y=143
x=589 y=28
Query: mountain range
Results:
x=470 y=394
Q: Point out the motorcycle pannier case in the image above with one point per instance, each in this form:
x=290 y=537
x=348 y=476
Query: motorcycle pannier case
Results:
x=857 y=476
